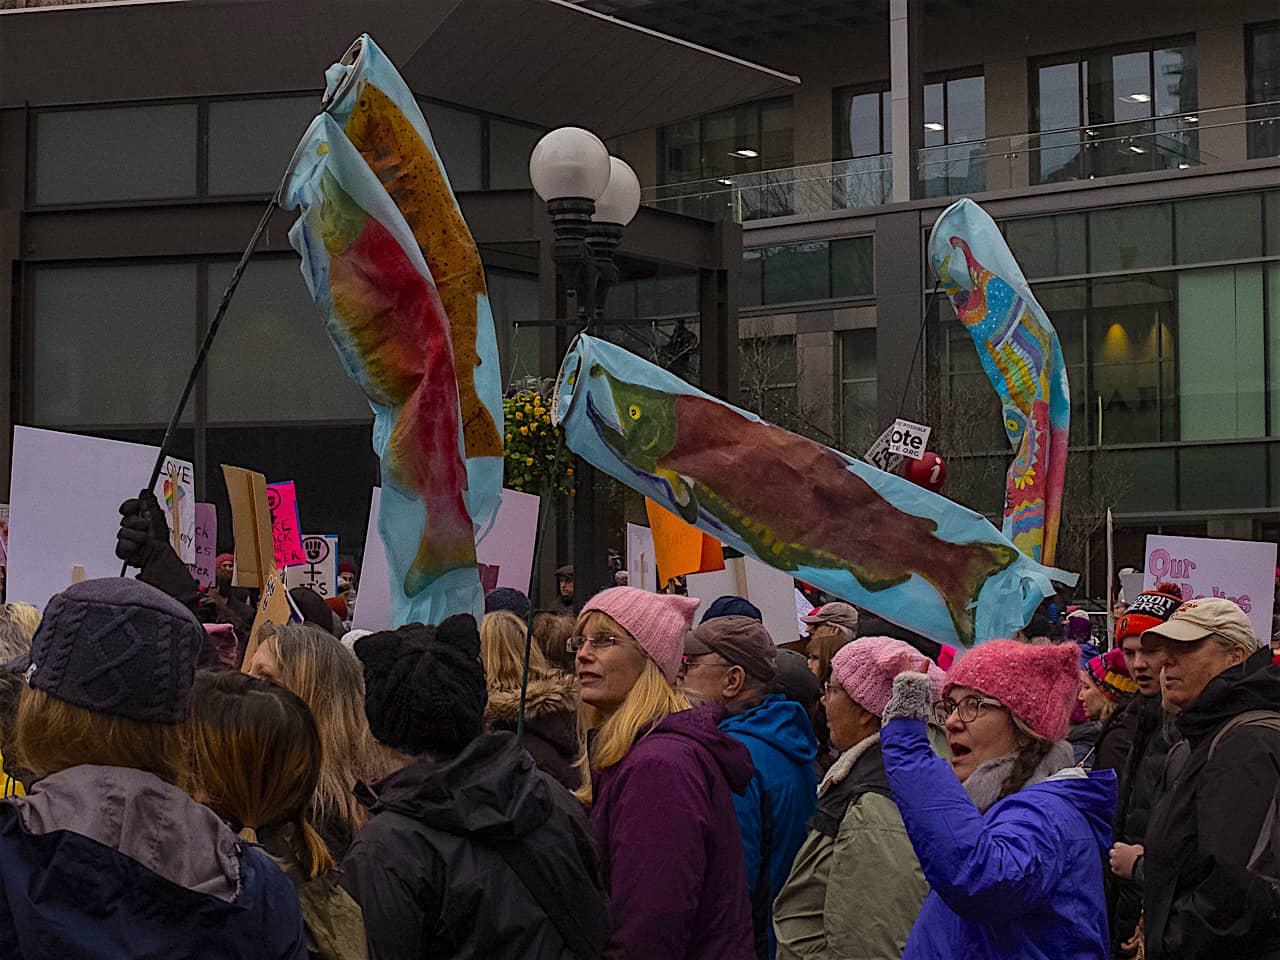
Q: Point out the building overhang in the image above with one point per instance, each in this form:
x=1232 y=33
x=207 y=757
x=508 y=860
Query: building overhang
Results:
x=547 y=62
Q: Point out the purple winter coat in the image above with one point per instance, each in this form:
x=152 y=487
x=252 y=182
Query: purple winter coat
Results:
x=669 y=844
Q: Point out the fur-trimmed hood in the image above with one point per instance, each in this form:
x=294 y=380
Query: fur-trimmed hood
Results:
x=550 y=711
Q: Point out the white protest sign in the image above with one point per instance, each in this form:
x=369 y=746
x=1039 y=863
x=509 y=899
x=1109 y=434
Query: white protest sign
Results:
x=176 y=491
x=909 y=439
x=642 y=565
x=507 y=546
x=771 y=590
x=65 y=496
x=206 y=543
x=320 y=571
x=1242 y=571
x=880 y=456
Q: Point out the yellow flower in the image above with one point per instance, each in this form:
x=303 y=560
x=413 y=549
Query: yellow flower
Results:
x=508 y=438
x=519 y=415
x=524 y=431
x=528 y=461
x=528 y=408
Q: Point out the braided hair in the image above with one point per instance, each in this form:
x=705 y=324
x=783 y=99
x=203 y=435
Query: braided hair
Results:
x=1031 y=753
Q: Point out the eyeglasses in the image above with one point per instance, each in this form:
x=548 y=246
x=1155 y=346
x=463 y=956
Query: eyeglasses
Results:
x=968 y=709
x=831 y=688
x=599 y=641
x=689 y=661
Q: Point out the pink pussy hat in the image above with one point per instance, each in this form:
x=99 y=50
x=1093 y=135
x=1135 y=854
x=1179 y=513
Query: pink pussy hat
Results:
x=1038 y=684
x=658 y=621
x=866 y=668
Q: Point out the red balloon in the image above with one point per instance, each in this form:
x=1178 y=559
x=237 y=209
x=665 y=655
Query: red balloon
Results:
x=930 y=471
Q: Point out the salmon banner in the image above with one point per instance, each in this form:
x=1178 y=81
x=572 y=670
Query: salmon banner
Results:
x=870 y=537
x=396 y=275
x=1022 y=358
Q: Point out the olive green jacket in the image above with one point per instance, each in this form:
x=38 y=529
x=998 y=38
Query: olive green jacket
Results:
x=855 y=887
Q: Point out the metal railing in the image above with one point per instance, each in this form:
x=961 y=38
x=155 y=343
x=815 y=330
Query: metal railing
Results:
x=1179 y=142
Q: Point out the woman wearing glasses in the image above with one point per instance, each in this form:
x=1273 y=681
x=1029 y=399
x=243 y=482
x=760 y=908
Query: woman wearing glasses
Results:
x=662 y=776
x=1013 y=842
x=855 y=886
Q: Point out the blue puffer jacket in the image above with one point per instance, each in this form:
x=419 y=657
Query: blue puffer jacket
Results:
x=109 y=862
x=1022 y=881
x=780 y=739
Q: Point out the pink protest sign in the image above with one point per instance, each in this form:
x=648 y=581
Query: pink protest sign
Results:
x=206 y=542
x=286 y=531
x=1242 y=571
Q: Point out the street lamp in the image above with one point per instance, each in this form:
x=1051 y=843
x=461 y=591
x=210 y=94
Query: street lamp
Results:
x=590 y=197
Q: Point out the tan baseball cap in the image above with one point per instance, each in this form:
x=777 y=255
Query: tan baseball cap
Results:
x=1207 y=617
x=836 y=613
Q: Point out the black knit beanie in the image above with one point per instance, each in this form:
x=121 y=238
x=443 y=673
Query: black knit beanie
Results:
x=424 y=688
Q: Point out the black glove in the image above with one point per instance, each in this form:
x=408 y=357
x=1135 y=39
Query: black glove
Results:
x=143 y=530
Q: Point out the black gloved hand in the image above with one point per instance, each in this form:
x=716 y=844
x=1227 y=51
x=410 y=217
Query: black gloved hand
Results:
x=143 y=530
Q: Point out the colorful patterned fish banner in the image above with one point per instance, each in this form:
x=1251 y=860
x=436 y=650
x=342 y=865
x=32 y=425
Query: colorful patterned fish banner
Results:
x=873 y=538
x=1021 y=355
x=396 y=275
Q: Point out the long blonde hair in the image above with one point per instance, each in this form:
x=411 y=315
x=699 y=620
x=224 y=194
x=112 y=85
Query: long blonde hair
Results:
x=328 y=679
x=502 y=645
x=650 y=699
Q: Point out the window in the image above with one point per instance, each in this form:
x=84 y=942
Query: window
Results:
x=953 y=159
x=121 y=153
x=1213 y=229
x=1132 y=350
x=1049 y=246
x=459 y=137
x=1127 y=237
x=744 y=139
x=863 y=121
x=859 y=423
x=510 y=146
x=1263 y=70
x=1110 y=112
x=137 y=311
x=251 y=142
x=810 y=270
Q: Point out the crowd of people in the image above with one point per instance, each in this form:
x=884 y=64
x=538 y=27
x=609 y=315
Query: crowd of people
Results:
x=618 y=777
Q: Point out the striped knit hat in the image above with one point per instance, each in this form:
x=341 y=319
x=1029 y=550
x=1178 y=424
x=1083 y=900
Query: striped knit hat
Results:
x=1149 y=609
x=1111 y=675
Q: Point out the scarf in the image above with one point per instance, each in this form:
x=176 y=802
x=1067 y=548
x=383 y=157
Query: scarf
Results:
x=984 y=784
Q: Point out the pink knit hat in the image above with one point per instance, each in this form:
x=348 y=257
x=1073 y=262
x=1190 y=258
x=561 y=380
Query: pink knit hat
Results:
x=1038 y=684
x=658 y=621
x=866 y=668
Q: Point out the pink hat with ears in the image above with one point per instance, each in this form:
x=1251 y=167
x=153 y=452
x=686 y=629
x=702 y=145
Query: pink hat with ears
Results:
x=658 y=621
x=866 y=668
x=1038 y=684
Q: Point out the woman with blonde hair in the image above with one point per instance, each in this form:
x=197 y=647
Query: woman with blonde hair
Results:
x=256 y=759
x=551 y=730
x=662 y=776
x=327 y=677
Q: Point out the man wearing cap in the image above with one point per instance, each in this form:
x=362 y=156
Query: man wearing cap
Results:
x=831 y=626
x=563 y=602
x=730 y=660
x=1209 y=845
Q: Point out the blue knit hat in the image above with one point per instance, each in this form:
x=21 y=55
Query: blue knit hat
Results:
x=509 y=599
x=732 y=607
x=116 y=646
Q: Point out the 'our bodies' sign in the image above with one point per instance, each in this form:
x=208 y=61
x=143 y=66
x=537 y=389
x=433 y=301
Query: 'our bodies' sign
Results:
x=1242 y=571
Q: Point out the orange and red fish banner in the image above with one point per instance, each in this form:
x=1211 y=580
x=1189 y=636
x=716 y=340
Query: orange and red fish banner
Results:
x=1020 y=353
x=385 y=317
x=870 y=537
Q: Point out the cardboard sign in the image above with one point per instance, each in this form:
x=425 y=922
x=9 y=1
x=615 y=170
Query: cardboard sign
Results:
x=908 y=439
x=286 y=528
x=879 y=455
x=273 y=607
x=642 y=565
x=320 y=572
x=773 y=591
x=176 y=491
x=508 y=545
x=1243 y=571
x=206 y=543
x=65 y=496
x=251 y=526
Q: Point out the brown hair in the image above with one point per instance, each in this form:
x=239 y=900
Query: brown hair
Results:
x=825 y=648
x=328 y=678
x=551 y=633
x=256 y=758
x=1030 y=753
x=53 y=735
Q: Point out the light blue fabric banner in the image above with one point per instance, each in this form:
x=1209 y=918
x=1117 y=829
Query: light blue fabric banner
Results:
x=872 y=538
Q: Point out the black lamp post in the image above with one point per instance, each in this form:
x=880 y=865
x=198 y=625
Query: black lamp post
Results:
x=590 y=197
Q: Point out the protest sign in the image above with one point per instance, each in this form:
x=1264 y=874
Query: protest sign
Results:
x=286 y=528
x=908 y=439
x=507 y=545
x=680 y=549
x=206 y=543
x=320 y=572
x=642 y=567
x=273 y=607
x=65 y=496
x=251 y=526
x=880 y=456
x=771 y=590
x=176 y=492
x=4 y=534
x=1242 y=571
